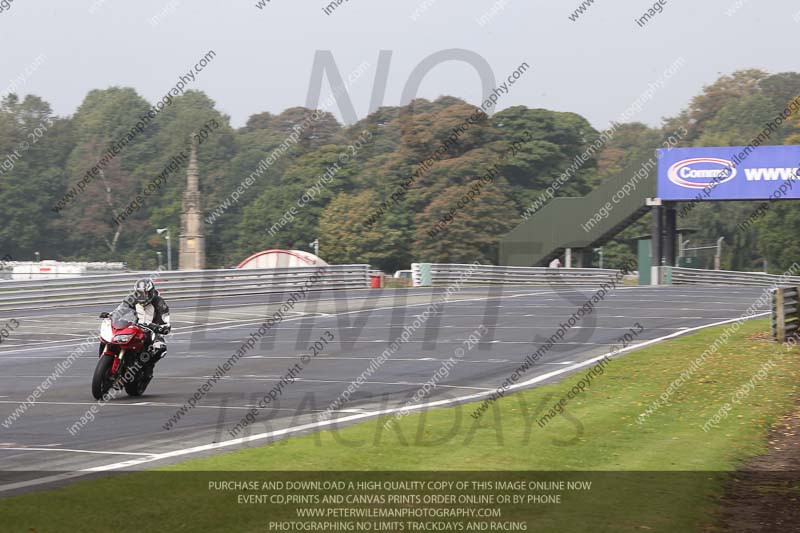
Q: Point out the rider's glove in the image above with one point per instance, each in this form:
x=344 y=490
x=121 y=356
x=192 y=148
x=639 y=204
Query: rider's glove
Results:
x=164 y=329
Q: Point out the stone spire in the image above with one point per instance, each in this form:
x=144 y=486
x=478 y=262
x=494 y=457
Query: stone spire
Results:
x=192 y=177
x=192 y=249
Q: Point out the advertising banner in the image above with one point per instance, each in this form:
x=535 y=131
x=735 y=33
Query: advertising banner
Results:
x=729 y=173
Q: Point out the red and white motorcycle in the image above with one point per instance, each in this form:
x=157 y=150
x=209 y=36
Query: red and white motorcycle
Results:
x=125 y=362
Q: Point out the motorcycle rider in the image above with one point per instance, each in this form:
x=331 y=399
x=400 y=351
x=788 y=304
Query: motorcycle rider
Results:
x=151 y=308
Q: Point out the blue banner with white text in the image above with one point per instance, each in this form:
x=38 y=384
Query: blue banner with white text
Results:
x=729 y=173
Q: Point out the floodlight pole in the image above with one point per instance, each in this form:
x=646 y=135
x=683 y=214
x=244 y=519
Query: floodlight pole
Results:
x=169 y=246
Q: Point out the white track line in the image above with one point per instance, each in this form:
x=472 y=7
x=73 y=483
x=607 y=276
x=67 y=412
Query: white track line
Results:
x=349 y=418
x=150 y=405
x=23 y=449
x=263 y=378
x=207 y=327
x=329 y=358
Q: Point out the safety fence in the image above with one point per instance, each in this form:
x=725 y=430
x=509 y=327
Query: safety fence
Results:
x=104 y=289
x=110 y=288
x=441 y=274
x=39 y=270
x=695 y=276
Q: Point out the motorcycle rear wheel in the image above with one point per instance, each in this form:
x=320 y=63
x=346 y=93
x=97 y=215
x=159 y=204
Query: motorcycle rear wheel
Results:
x=102 y=379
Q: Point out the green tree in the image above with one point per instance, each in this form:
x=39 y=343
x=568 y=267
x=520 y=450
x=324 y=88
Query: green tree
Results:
x=474 y=231
x=345 y=240
x=34 y=145
x=705 y=106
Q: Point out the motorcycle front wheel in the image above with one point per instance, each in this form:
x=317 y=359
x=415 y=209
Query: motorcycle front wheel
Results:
x=102 y=379
x=137 y=386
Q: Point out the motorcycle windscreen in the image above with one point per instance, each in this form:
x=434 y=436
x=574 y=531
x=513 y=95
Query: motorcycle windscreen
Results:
x=123 y=317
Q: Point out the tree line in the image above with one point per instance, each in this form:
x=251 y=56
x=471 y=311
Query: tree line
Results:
x=312 y=177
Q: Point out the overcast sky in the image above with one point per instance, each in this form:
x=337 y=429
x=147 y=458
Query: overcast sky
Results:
x=596 y=66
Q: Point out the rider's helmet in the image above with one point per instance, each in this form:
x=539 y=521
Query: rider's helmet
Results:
x=144 y=291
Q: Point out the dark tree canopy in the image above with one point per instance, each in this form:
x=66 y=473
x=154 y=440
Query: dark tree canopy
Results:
x=403 y=168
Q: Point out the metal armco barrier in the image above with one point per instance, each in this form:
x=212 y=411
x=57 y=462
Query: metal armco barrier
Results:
x=104 y=289
x=694 y=276
x=441 y=274
x=785 y=315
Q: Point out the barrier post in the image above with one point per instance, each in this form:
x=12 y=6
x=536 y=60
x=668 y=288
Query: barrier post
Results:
x=778 y=316
x=666 y=275
x=785 y=318
x=644 y=261
x=426 y=278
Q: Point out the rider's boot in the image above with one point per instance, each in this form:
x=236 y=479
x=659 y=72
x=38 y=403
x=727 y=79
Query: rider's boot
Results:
x=157 y=352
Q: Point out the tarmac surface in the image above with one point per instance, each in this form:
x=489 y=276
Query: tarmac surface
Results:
x=37 y=448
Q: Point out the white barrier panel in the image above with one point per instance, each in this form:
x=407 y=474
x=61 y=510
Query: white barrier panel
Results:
x=112 y=288
x=696 y=276
x=442 y=274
